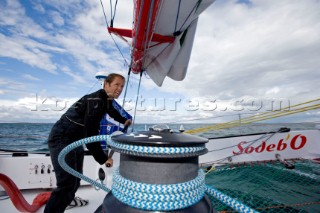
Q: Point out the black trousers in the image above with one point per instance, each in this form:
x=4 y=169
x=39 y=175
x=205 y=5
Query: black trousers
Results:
x=67 y=184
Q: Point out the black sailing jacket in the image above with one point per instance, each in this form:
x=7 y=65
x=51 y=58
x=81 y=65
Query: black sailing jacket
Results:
x=83 y=118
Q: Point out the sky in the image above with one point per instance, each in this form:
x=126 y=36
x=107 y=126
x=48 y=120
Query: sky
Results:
x=248 y=57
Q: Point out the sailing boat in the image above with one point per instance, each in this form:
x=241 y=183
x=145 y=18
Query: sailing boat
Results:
x=151 y=46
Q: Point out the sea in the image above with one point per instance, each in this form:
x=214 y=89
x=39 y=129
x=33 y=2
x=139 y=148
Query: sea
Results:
x=32 y=137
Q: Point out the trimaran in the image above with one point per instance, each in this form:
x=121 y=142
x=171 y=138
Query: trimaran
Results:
x=161 y=43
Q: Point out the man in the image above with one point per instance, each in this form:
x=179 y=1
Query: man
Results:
x=81 y=120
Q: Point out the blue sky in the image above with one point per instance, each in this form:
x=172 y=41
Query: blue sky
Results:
x=244 y=51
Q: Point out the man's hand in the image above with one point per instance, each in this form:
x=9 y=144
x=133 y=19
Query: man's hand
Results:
x=128 y=122
x=109 y=162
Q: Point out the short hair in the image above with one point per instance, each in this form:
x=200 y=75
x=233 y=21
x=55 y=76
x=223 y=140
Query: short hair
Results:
x=110 y=78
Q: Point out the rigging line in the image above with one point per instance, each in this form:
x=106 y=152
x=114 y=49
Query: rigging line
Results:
x=283 y=110
x=111 y=20
x=113 y=15
x=115 y=10
x=106 y=21
x=92 y=87
x=193 y=9
x=126 y=88
x=280 y=113
x=307 y=102
x=104 y=13
x=175 y=27
x=125 y=91
x=286 y=109
x=208 y=117
x=256 y=118
x=135 y=108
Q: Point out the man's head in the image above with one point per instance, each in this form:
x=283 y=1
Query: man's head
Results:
x=113 y=85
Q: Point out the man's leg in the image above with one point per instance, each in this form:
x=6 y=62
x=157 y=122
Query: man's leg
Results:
x=67 y=184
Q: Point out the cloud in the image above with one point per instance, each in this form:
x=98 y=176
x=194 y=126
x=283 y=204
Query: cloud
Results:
x=28 y=51
x=65 y=38
x=30 y=77
x=22 y=39
x=250 y=49
x=34 y=109
x=56 y=18
x=12 y=88
x=76 y=76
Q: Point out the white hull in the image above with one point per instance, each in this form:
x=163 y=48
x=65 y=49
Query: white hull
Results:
x=264 y=147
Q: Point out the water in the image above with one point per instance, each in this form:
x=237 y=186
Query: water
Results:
x=33 y=136
x=24 y=136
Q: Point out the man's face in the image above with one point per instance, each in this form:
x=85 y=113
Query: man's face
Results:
x=114 y=89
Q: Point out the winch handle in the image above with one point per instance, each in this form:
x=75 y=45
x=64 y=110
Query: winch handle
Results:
x=125 y=128
x=110 y=156
x=111 y=152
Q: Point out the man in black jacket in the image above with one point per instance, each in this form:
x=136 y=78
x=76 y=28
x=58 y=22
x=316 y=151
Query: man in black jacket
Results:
x=81 y=120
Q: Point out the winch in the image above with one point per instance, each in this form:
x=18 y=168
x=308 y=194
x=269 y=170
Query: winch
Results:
x=158 y=172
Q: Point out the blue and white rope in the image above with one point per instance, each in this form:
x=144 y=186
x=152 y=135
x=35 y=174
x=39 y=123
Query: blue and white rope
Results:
x=229 y=201
x=156 y=150
x=67 y=149
x=156 y=197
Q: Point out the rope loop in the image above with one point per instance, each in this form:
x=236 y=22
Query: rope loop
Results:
x=155 y=150
x=158 y=197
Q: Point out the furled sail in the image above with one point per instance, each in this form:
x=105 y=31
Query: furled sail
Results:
x=162 y=36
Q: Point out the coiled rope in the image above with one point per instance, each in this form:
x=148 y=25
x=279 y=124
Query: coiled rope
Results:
x=135 y=149
x=154 y=197
x=158 y=197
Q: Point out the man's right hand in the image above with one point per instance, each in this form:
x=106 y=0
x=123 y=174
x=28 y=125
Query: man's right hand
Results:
x=128 y=122
x=109 y=162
